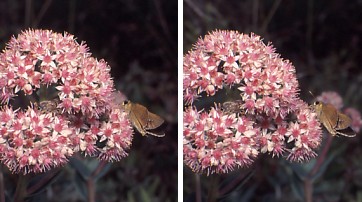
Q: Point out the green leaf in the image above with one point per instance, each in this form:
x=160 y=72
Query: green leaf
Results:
x=237 y=187
x=80 y=168
x=130 y=197
x=325 y=164
x=145 y=197
x=297 y=188
x=40 y=182
x=359 y=196
x=301 y=170
x=81 y=185
x=104 y=171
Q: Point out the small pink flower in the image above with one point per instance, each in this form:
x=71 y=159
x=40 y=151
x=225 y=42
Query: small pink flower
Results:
x=272 y=118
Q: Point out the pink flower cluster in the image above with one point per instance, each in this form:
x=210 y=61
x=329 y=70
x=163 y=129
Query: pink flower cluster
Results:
x=356 y=118
x=35 y=140
x=336 y=100
x=272 y=118
x=331 y=97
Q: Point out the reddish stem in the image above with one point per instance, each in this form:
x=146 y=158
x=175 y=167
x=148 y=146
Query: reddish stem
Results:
x=197 y=188
x=91 y=190
x=322 y=156
x=308 y=182
x=91 y=182
x=2 y=188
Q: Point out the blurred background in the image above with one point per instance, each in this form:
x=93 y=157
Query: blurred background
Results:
x=138 y=39
x=322 y=39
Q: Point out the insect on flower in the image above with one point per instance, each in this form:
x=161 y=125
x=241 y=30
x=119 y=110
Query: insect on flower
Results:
x=233 y=107
x=48 y=106
x=334 y=121
x=144 y=121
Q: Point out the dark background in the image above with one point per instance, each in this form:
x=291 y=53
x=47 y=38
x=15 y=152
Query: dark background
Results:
x=323 y=40
x=138 y=39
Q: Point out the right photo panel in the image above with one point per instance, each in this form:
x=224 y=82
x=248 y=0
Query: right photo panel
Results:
x=272 y=100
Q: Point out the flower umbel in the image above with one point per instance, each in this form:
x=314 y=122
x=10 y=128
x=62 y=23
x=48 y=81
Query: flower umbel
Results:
x=74 y=112
x=271 y=117
x=216 y=142
x=34 y=142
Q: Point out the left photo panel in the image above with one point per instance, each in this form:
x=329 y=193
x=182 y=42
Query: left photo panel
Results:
x=88 y=101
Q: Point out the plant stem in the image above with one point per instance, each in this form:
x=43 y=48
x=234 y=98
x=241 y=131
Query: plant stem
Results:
x=308 y=182
x=2 y=188
x=92 y=180
x=20 y=192
x=91 y=190
x=197 y=188
x=308 y=190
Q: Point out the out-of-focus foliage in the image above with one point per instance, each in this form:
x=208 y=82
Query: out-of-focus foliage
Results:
x=138 y=39
x=322 y=40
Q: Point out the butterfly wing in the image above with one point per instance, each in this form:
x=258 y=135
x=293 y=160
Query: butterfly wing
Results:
x=343 y=121
x=146 y=120
x=154 y=121
x=138 y=117
x=343 y=127
x=334 y=121
x=329 y=118
x=348 y=132
x=157 y=134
